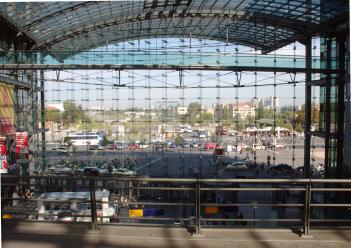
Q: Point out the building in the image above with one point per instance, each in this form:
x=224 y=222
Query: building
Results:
x=271 y=103
x=56 y=106
x=118 y=131
x=243 y=109
x=182 y=110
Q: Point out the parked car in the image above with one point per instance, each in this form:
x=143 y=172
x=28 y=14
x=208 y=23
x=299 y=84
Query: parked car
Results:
x=91 y=171
x=62 y=149
x=133 y=146
x=258 y=147
x=236 y=166
x=209 y=146
x=93 y=147
x=185 y=145
x=173 y=145
x=101 y=148
x=125 y=172
x=112 y=147
x=143 y=145
x=194 y=145
x=121 y=146
x=284 y=168
x=202 y=134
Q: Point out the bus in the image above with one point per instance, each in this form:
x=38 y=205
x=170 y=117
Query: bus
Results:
x=84 y=139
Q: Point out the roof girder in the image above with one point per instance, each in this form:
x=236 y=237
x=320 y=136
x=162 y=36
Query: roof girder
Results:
x=221 y=15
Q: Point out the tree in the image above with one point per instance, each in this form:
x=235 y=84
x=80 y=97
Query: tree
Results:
x=178 y=139
x=315 y=114
x=73 y=113
x=260 y=110
x=225 y=114
x=53 y=115
x=300 y=118
x=194 y=109
x=239 y=123
x=298 y=128
x=207 y=117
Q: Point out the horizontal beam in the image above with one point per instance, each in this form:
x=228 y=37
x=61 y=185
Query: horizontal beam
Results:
x=14 y=82
x=178 y=180
x=159 y=67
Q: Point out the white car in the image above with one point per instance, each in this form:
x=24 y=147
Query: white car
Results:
x=124 y=172
x=143 y=145
x=236 y=166
x=258 y=147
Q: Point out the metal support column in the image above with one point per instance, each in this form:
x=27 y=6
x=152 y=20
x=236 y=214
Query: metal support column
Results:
x=31 y=118
x=307 y=210
x=341 y=107
x=197 y=207
x=93 y=204
x=42 y=115
x=308 y=109
x=327 y=161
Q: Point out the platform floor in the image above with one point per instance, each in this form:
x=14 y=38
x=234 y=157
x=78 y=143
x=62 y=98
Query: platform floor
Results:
x=63 y=235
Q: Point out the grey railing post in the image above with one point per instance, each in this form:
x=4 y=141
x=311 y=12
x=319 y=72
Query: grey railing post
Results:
x=197 y=207
x=307 y=210
x=93 y=204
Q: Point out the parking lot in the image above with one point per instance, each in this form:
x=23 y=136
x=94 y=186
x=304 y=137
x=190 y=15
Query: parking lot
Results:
x=185 y=161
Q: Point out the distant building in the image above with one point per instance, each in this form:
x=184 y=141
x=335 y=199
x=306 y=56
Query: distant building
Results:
x=210 y=110
x=118 y=131
x=55 y=106
x=271 y=103
x=243 y=109
x=182 y=110
x=218 y=111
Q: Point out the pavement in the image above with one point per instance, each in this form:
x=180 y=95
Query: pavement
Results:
x=65 y=235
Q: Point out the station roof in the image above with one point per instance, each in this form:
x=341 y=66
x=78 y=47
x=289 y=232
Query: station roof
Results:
x=262 y=24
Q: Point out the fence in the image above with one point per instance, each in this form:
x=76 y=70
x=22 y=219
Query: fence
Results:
x=313 y=200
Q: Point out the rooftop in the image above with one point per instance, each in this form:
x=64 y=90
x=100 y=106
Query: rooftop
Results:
x=80 y=26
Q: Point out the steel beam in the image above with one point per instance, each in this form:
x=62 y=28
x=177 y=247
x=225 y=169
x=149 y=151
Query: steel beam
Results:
x=298 y=26
x=308 y=109
x=15 y=82
x=45 y=67
x=327 y=114
x=341 y=107
x=42 y=117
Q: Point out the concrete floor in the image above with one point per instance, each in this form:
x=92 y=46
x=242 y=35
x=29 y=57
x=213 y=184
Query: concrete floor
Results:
x=54 y=235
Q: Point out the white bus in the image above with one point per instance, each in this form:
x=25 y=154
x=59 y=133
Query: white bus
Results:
x=84 y=139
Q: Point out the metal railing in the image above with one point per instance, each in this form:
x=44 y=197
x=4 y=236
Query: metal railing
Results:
x=314 y=199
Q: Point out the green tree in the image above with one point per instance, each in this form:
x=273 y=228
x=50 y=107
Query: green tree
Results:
x=260 y=110
x=73 y=113
x=207 y=117
x=300 y=116
x=178 y=139
x=225 y=114
x=53 y=115
x=298 y=127
x=239 y=123
x=315 y=114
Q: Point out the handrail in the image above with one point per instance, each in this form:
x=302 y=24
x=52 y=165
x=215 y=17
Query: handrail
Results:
x=196 y=187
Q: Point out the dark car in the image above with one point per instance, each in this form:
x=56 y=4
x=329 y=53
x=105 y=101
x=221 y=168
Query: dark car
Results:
x=112 y=146
x=173 y=145
x=93 y=147
x=91 y=171
x=185 y=145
